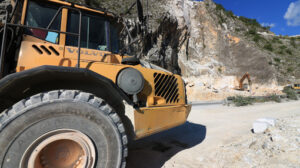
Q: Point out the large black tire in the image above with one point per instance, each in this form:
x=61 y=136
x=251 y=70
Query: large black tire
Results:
x=30 y=118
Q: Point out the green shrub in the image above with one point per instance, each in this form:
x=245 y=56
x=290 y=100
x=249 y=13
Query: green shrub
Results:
x=272 y=98
x=275 y=98
x=219 y=7
x=276 y=40
x=249 y=22
x=221 y=19
x=283 y=47
x=292 y=42
x=280 y=52
x=256 y=38
x=290 y=93
x=252 y=31
x=290 y=69
x=267 y=28
x=289 y=51
x=277 y=60
x=243 y=101
x=268 y=46
x=230 y=14
x=220 y=70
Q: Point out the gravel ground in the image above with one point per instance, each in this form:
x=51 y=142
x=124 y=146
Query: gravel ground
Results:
x=220 y=136
x=279 y=146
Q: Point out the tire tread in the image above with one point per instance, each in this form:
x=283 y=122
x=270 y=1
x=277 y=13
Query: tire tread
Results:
x=59 y=95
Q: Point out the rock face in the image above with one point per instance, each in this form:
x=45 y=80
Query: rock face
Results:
x=3 y=5
x=193 y=41
x=216 y=50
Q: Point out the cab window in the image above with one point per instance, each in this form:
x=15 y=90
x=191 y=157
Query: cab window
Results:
x=93 y=31
x=114 y=36
x=40 y=14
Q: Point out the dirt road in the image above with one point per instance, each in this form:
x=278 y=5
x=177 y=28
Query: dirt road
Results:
x=208 y=128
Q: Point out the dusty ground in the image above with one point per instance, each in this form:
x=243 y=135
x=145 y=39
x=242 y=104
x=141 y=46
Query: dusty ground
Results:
x=220 y=136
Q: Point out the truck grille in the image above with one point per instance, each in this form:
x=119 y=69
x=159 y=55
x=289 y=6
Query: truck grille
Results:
x=166 y=86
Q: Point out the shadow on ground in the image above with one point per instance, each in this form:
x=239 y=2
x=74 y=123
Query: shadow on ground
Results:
x=154 y=151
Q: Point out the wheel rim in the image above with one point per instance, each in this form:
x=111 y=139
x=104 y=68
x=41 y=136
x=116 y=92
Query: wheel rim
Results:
x=62 y=148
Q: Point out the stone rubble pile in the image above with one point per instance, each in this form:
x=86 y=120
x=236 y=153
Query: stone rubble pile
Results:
x=262 y=124
x=272 y=144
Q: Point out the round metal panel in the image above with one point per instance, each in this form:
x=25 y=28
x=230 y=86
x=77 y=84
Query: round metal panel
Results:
x=131 y=81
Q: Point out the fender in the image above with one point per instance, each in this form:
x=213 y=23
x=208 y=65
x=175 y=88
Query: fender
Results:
x=18 y=86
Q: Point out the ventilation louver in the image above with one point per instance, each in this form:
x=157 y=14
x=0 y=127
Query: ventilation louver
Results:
x=166 y=86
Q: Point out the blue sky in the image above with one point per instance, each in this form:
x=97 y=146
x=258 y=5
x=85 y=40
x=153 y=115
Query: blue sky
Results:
x=282 y=15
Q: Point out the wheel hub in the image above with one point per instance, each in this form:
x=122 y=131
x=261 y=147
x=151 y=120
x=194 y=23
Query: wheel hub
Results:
x=60 y=149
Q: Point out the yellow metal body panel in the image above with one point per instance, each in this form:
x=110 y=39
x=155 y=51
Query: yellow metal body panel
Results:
x=155 y=119
x=63 y=27
x=95 y=60
x=158 y=114
x=24 y=11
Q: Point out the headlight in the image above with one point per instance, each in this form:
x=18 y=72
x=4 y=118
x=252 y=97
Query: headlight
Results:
x=131 y=81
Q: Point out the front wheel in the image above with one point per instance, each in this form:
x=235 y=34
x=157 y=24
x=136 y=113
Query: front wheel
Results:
x=62 y=129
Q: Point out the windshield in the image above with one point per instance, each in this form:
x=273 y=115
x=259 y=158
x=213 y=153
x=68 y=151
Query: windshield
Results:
x=40 y=14
x=97 y=31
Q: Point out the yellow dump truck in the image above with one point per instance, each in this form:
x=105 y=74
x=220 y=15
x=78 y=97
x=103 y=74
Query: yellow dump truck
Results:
x=296 y=87
x=68 y=98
